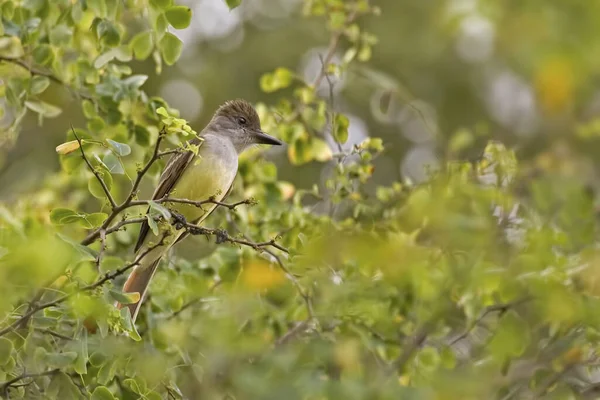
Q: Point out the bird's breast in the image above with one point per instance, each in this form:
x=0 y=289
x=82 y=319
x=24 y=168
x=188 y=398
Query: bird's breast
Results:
x=210 y=174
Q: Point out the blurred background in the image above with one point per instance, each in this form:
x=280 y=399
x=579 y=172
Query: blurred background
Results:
x=445 y=77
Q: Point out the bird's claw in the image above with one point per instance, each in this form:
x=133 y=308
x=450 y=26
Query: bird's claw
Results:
x=179 y=220
x=221 y=236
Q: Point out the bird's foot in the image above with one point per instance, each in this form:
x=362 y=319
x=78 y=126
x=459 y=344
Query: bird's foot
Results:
x=179 y=220
x=221 y=236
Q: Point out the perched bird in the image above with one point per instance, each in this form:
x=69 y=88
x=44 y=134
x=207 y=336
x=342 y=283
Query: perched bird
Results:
x=234 y=127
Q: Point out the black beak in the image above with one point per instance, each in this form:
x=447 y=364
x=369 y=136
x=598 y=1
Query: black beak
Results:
x=263 y=138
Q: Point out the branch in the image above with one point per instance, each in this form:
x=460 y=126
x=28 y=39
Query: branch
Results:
x=413 y=343
x=333 y=44
x=211 y=200
x=113 y=204
x=499 y=308
x=90 y=238
x=292 y=333
x=48 y=75
x=144 y=170
x=224 y=237
x=53 y=333
x=5 y=385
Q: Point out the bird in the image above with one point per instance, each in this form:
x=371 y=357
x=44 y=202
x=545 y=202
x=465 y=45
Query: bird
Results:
x=209 y=174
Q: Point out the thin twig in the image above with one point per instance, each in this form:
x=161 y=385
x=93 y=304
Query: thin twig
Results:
x=102 y=249
x=333 y=44
x=53 y=333
x=223 y=236
x=5 y=385
x=292 y=333
x=113 y=204
x=410 y=347
x=499 y=308
x=48 y=75
x=144 y=170
x=90 y=238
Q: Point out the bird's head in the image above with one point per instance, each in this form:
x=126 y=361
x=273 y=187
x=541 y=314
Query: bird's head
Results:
x=238 y=120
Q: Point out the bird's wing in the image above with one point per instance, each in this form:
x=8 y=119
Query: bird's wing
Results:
x=173 y=171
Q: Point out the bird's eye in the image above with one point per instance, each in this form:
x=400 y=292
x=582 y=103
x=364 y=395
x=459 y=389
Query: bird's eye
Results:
x=242 y=120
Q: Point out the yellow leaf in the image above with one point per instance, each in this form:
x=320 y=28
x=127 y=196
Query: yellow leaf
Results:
x=67 y=147
x=554 y=82
x=260 y=274
x=287 y=190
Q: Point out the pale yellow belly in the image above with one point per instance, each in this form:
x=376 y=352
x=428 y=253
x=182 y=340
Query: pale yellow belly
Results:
x=203 y=179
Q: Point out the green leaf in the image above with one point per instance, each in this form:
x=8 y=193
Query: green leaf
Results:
x=6 y=348
x=82 y=355
x=85 y=253
x=142 y=136
x=132 y=385
x=108 y=34
x=95 y=187
x=162 y=210
x=129 y=325
x=10 y=47
x=233 y=3
x=124 y=298
x=122 y=149
x=98 y=7
x=135 y=81
x=43 y=108
x=160 y=25
x=102 y=393
x=340 y=132
x=63 y=216
x=170 y=48
x=39 y=84
x=179 y=16
x=162 y=4
x=142 y=45
x=152 y=224
x=61 y=35
x=511 y=337
x=106 y=372
x=320 y=150
x=93 y=220
x=97 y=359
x=61 y=360
x=279 y=79
x=113 y=164
x=43 y=54
x=110 y=263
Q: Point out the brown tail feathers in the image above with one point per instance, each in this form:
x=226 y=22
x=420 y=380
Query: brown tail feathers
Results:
x=138 y=281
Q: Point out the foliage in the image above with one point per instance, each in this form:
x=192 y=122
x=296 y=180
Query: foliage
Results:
x=481 y=282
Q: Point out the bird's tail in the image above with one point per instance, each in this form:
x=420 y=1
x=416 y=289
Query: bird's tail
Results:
x=138 y=281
